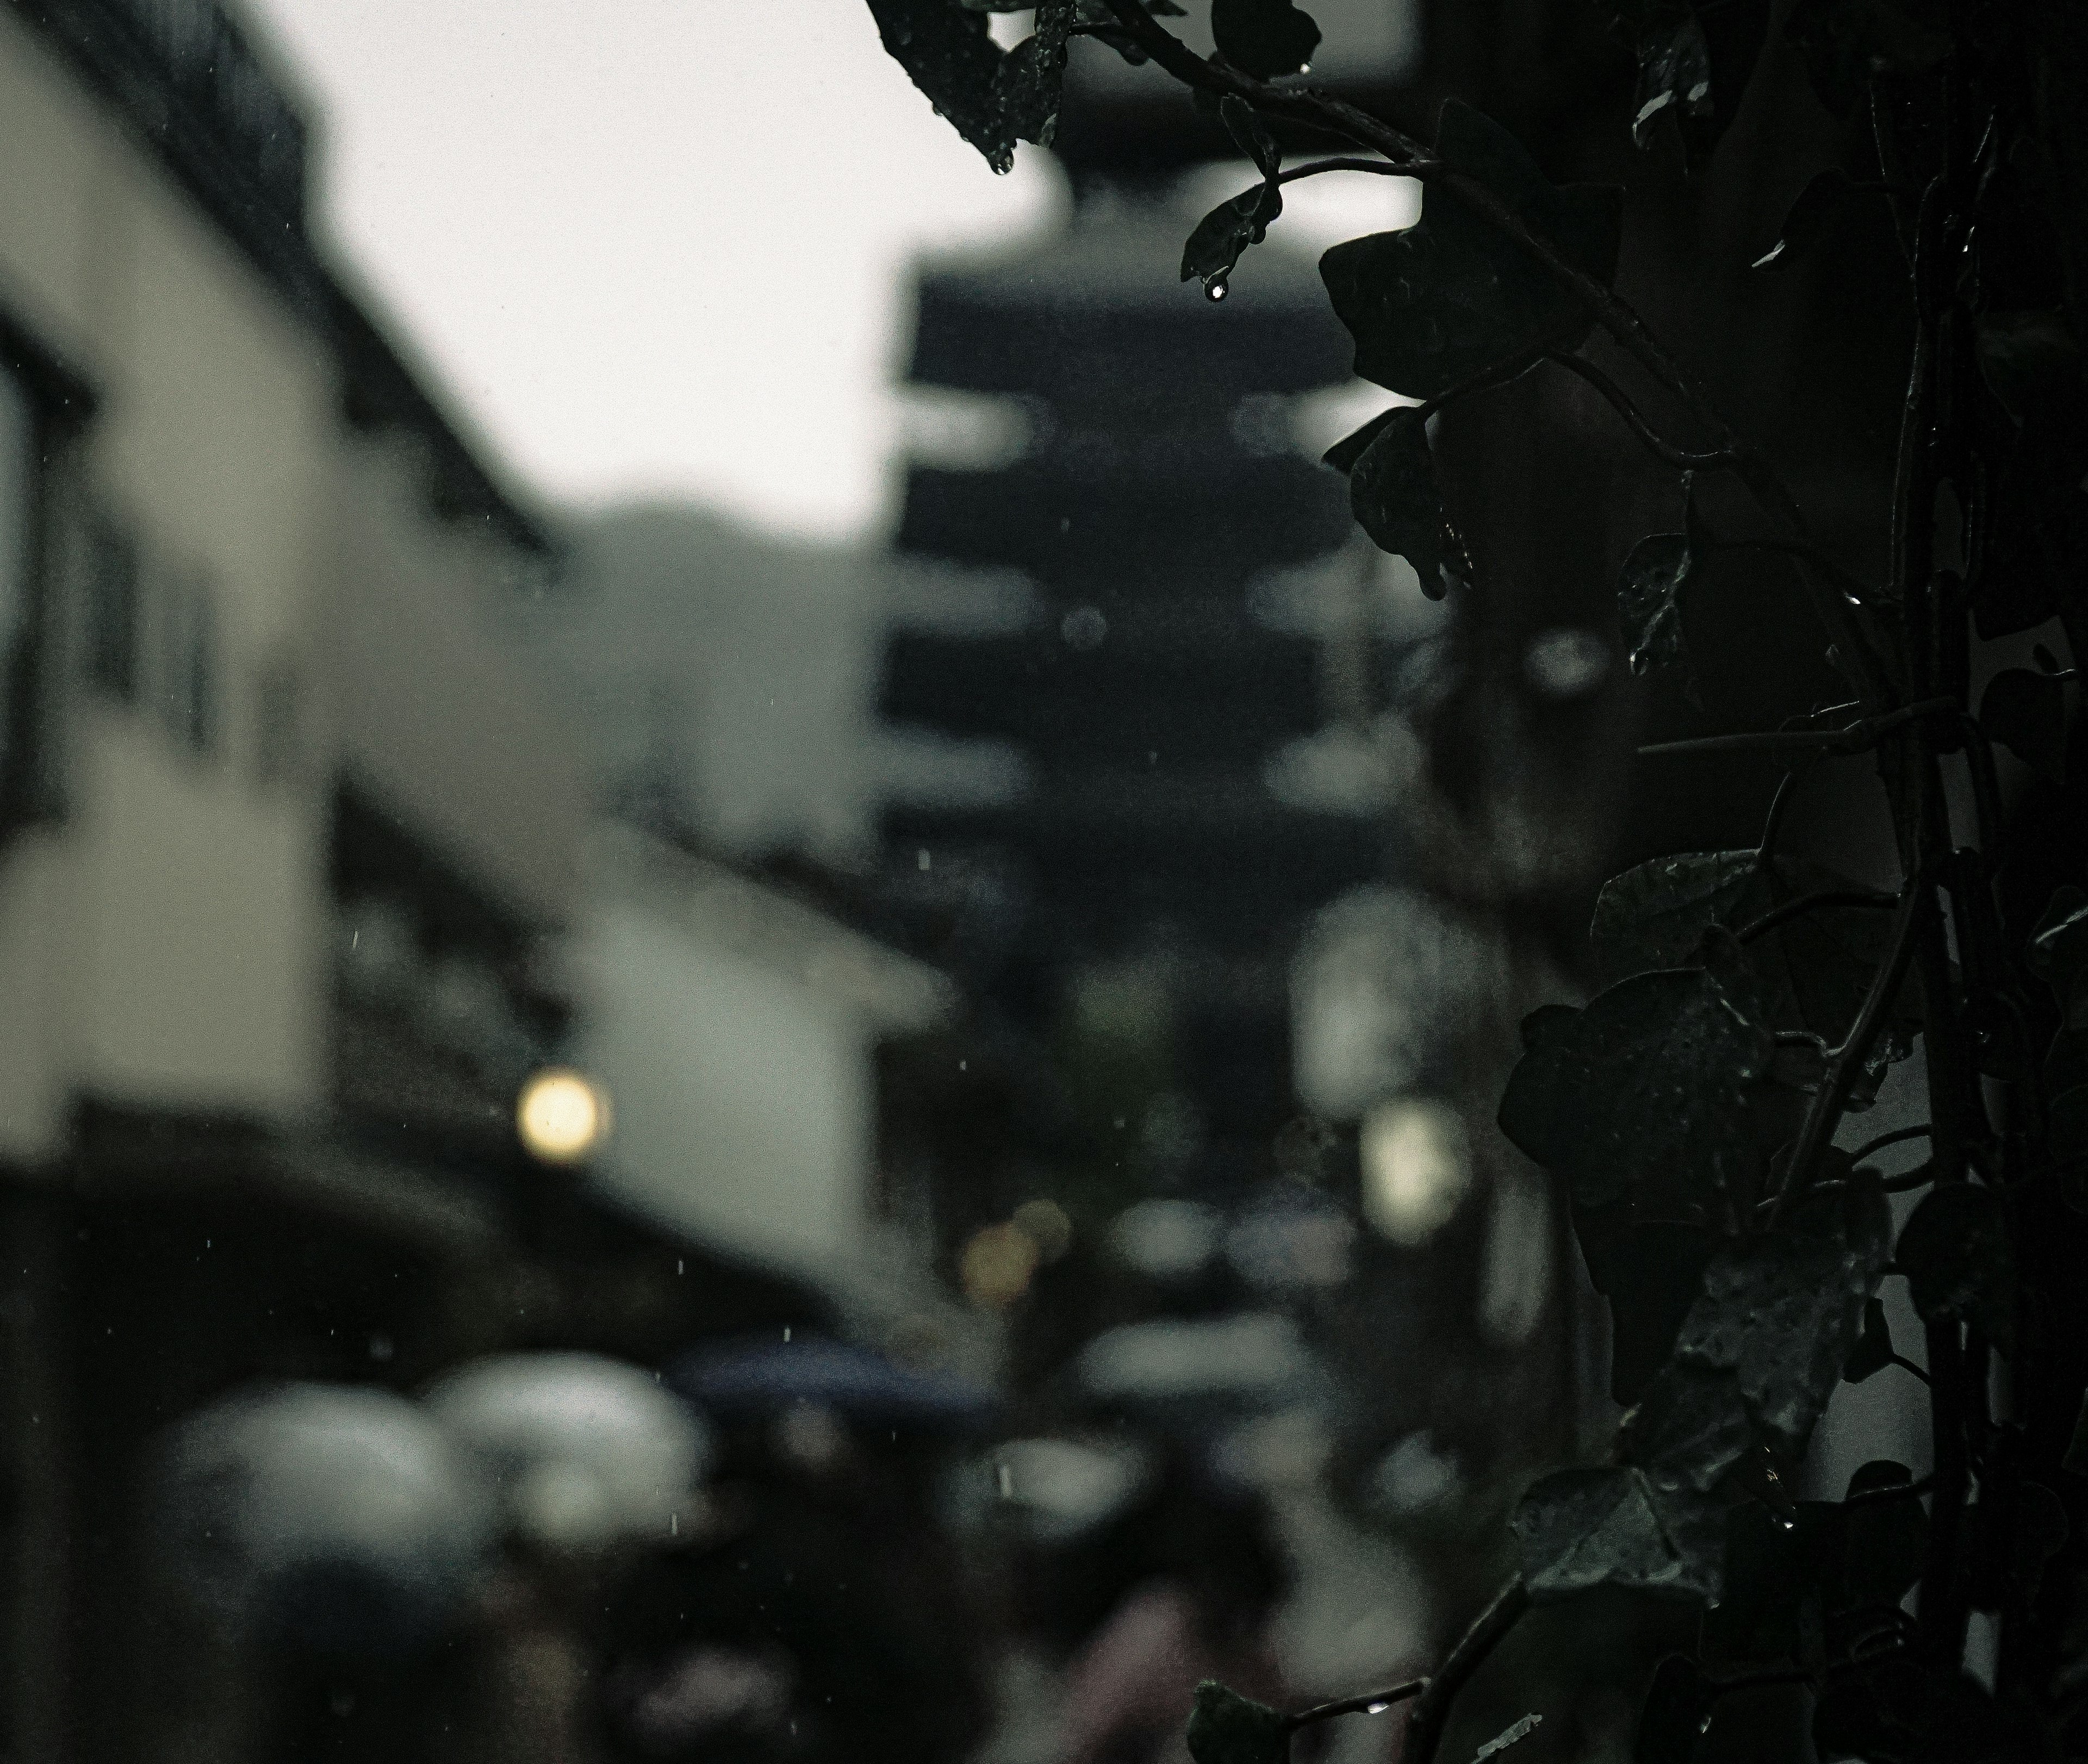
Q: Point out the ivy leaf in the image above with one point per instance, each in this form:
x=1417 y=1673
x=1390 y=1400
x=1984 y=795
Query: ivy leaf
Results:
x=1649 y=605
x=1781 y=1310
x=1226 y=1728
x=1648 y=1087
x=1883 y=1544
x=1651 y=1271
x=1392 y=491
x=2025 y=712
x=1813 y=971
x=1265 y=38
x=992 y=98
x=1873 y=1351
x=1673 y=74
x=1451 y=295
x=2059 y=953
x=1807 y=220
x=1578 y=1530
x=1955 y=1254
x=1214 y=250
x=1248 y=134
x=1677 y=1708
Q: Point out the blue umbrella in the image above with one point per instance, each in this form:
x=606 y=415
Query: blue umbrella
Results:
x=857 y=1383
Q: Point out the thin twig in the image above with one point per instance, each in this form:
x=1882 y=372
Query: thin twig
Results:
x=1852 y=738
x=1424 y=1727
x=1373 y=1702
x=1870 y=1146
x=1345 y=163
x=1831 y=1100
x=1663 y=450
x=1805 y=903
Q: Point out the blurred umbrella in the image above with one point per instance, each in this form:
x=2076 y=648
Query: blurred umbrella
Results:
x=1174 y=1370
x=585 y=1451
x=856 y=1383
x=338 y=1518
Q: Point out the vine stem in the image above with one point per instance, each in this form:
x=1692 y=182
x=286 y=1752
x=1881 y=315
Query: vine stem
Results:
x=1431 y=1709
x=1346 y=163
x=1831 y=1100
x=1854 y=738
x=1665 y=451
x=1371 y=1702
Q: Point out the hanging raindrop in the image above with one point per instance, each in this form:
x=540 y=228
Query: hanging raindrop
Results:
x=1215 y=288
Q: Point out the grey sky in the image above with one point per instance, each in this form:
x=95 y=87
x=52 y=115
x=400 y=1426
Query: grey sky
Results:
x=653 y=247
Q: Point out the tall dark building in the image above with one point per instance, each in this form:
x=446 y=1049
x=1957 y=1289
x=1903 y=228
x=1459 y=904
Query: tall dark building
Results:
x=1147 y=866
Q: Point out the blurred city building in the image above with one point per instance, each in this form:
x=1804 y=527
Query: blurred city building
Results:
x=290 y=841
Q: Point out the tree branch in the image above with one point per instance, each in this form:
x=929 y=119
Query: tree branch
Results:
x=1372 y=1702
x=1424 y=1727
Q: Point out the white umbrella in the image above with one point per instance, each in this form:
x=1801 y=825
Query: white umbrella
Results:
x=585 y=1451
x=336 y=1516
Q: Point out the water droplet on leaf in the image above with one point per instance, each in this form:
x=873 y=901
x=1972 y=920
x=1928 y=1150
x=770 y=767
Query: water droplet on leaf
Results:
x=1215 y=288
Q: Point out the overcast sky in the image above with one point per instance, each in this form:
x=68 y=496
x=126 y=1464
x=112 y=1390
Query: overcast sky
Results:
x=650 y=247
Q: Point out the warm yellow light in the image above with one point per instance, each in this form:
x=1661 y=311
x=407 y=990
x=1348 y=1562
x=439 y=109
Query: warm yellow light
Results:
x=561 y=1117
x=996 y=1265
x=1416 y=1164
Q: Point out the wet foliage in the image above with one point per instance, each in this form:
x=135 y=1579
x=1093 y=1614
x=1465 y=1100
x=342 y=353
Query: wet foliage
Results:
x=1697 y=1110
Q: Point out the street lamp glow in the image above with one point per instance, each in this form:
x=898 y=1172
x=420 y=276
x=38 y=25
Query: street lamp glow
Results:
x=1416 y=1164
x=561 y=1117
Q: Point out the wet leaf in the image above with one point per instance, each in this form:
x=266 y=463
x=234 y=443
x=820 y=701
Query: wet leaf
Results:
x=1226 y=1728
x=1214 y=250
x=1765 y=1579
x=1677 y=1707
x=992 y=98
x=1674 y=74
x=1265 y=38
x=1781 y=1310
x=2025 y=712
x=1813 y=971
x=1249 y=136
x=1578 y=1529
x=1691 y=1429
x=1646 y=1087
x=1873 y=1351
x=1453 y=295
x=1392 y=490
x=1884 y=1544
x=1649 y=605
x=1651 y=1271
x=1807 y=219
x=1954 y=1252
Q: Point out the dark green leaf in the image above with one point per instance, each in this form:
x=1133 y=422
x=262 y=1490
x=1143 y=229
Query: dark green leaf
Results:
x=1248 y=134
x=1691 y=1429
x=1765 y=1579
x=1883 y=1543
x=2059 y=953
x=1392 y=490
x=1343 y=455
x=993 y=99
x=1807 y=219
x=1651 y=1271
x=1226 y=1728
x=1781 y=1310
x=1578 y=1530
x=1674 y=73
x=1873 y=1351
x=2025 y=712
x=1453 y=295
x=1813 y=971
x=1676 y=1709
x=1648 y=1086
x=1265 y=38
x=1214 y=250
x=1955 y=1254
